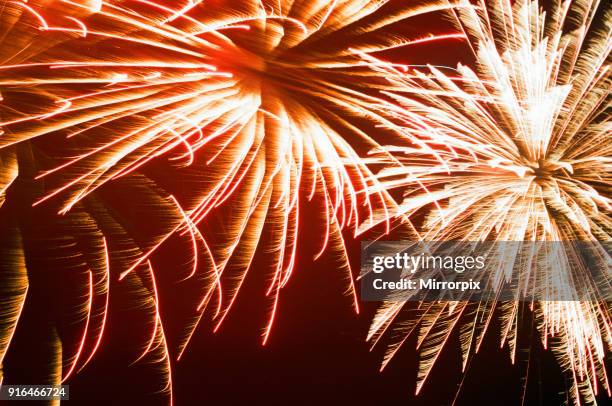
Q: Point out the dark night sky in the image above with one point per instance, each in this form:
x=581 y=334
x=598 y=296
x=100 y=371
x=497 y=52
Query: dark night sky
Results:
x=317 y=354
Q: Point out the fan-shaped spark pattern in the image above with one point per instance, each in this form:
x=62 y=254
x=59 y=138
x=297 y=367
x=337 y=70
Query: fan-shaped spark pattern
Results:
x=260 y=106
x=518 y=150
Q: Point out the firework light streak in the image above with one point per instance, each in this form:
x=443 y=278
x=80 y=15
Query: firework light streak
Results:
x=260 y=99
x=518 y=150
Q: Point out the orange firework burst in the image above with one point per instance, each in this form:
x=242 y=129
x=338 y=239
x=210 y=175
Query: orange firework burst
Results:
x=517 y=151
x=256 y=101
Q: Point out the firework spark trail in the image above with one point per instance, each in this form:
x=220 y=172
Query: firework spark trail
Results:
x=158 y=342
x=518 y=150
x=260 y=99
x=76 y=260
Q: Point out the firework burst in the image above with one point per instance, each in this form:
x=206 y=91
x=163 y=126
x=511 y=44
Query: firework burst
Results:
x=517 y=150
x=258 y=105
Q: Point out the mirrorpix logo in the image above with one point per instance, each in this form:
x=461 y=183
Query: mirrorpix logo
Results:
x=413 y=275
x=412 y=263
